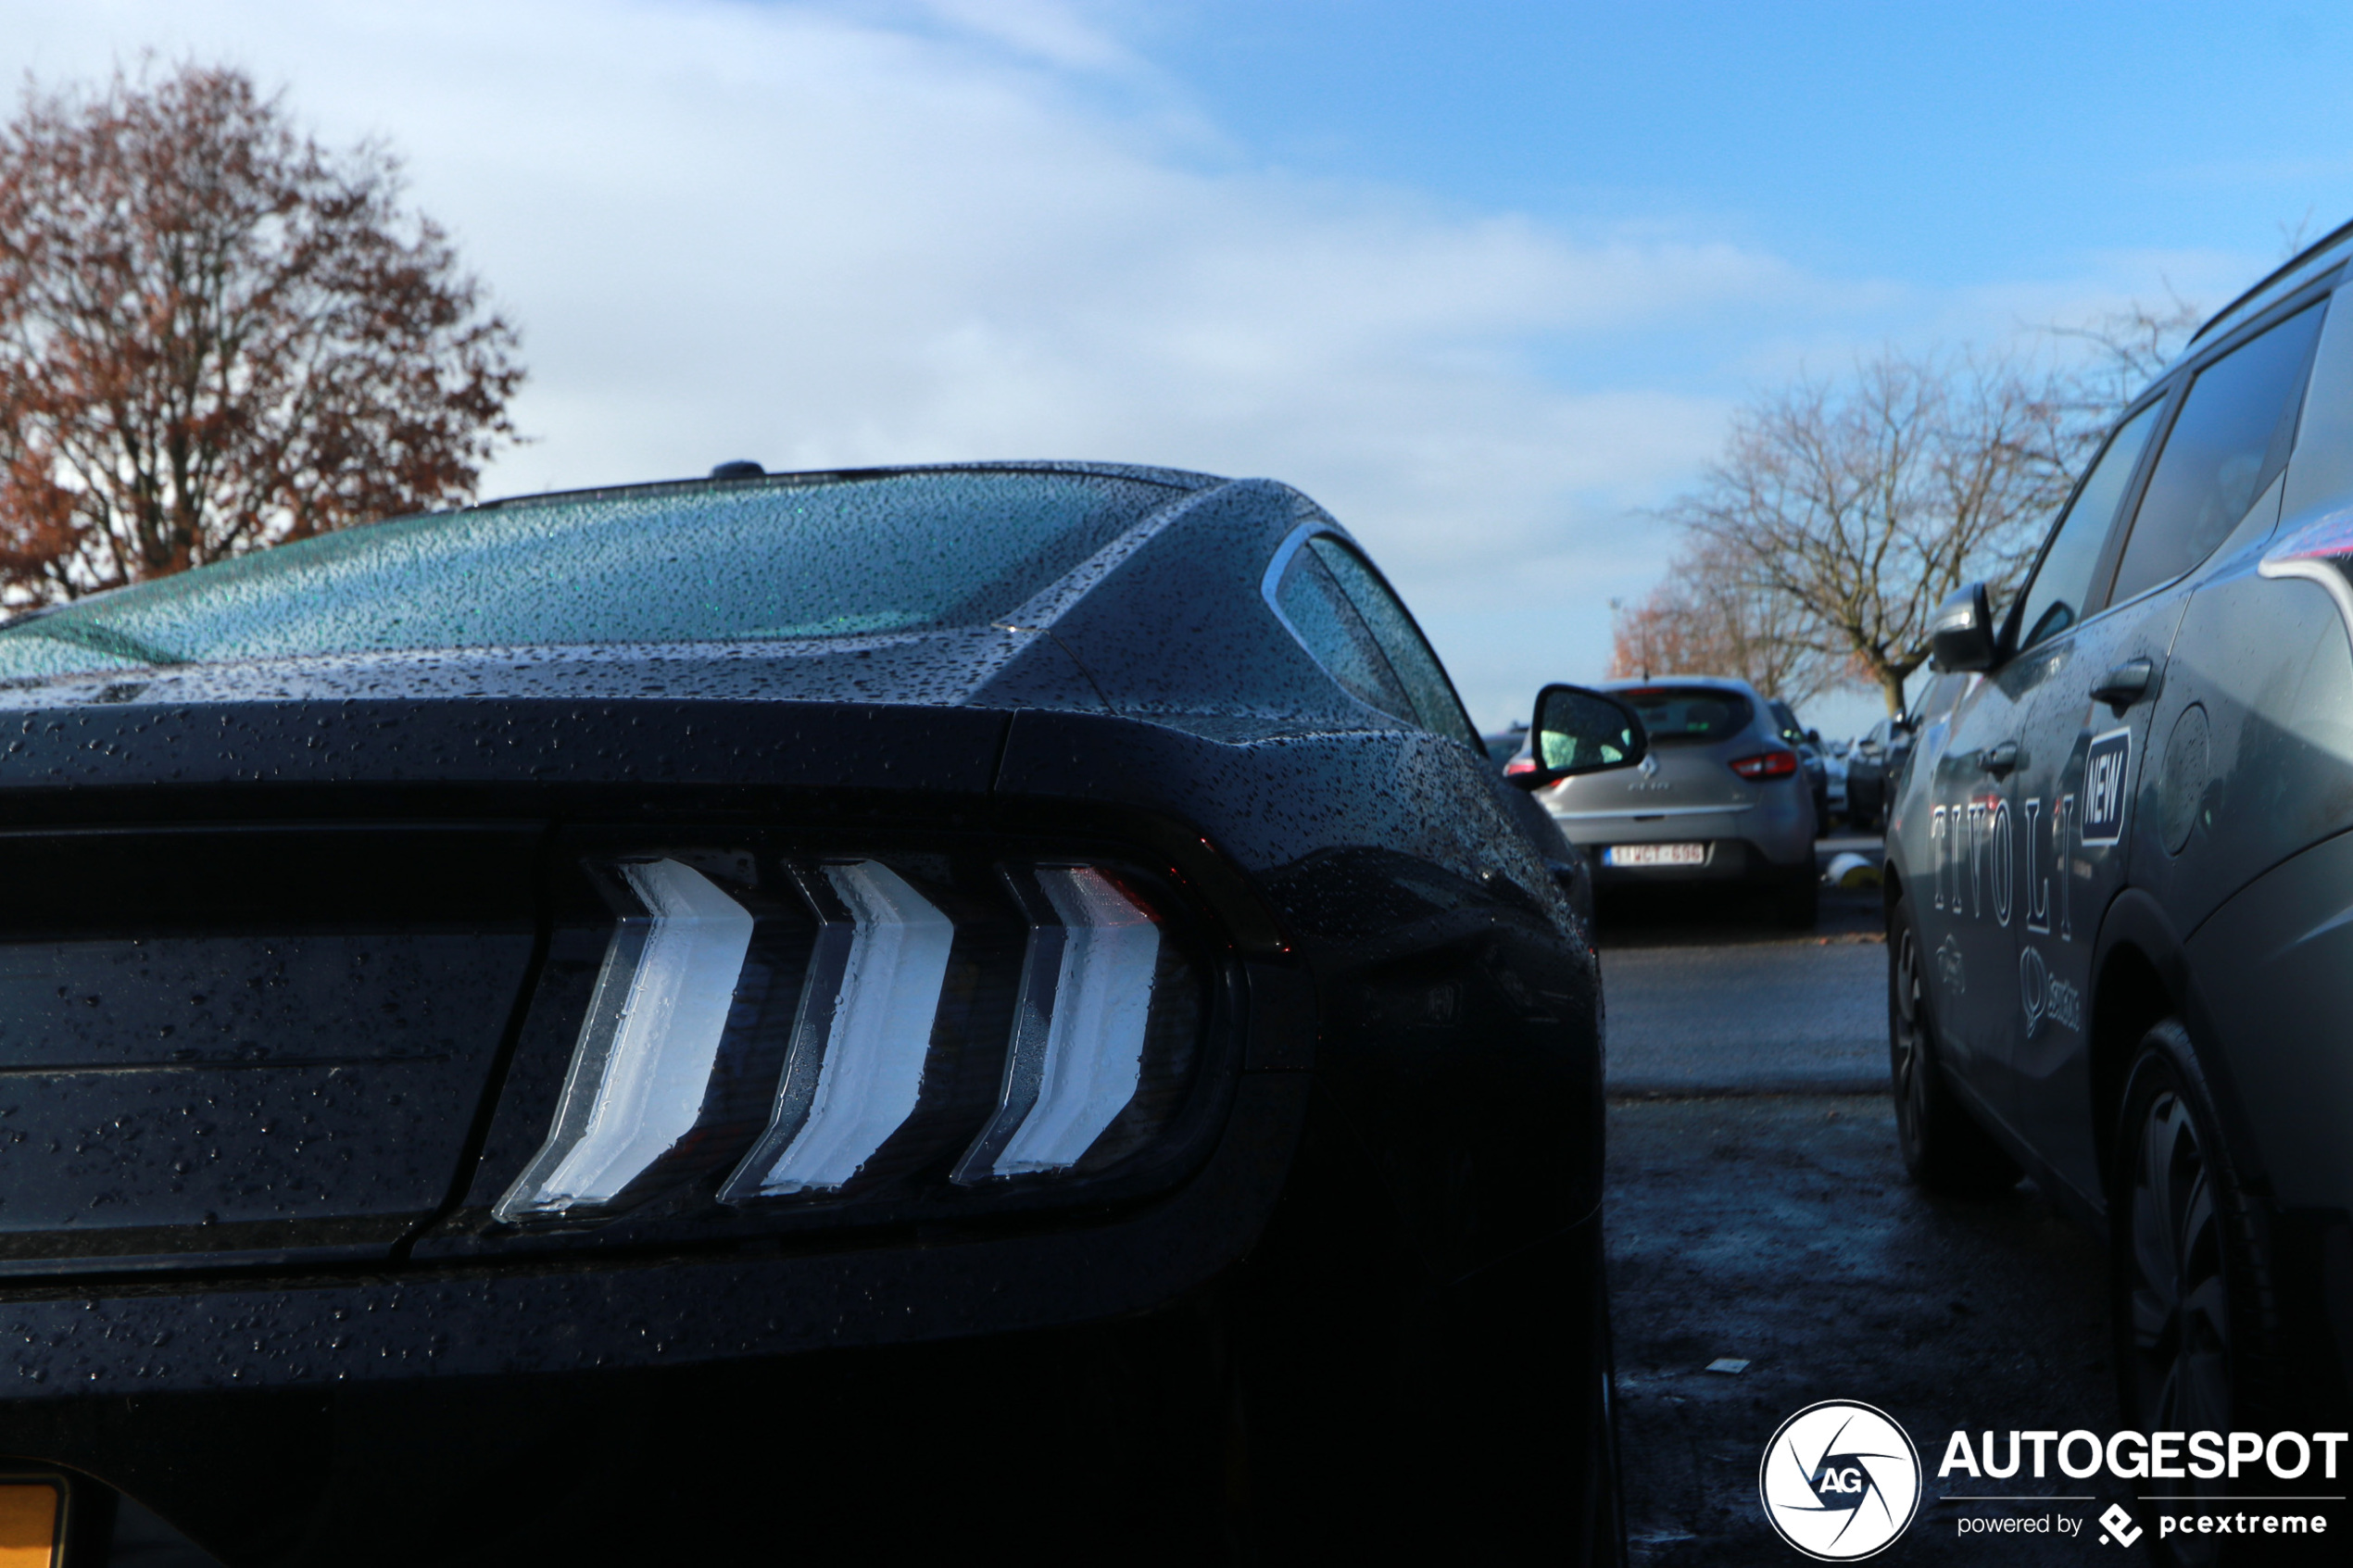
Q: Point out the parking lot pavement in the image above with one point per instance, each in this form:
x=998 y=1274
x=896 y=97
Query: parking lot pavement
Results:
x=1747 y=1017
x=1778 y=1230
x=1713 y=998
x=1758 y=1211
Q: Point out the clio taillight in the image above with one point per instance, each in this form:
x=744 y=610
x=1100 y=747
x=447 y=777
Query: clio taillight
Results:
x=1767 y=765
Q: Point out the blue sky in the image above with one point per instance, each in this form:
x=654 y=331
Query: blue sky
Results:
x=1487 y=280
x=1944 y=147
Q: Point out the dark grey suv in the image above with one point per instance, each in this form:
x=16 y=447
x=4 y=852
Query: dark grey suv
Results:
x=2120 y=874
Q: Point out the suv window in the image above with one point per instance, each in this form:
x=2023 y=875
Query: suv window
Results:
x=1409 y=657
x=2056 y=599
x=2229 y=441
x=1324 y=620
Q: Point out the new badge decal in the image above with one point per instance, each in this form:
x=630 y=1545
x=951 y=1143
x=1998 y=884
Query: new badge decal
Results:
x=2108 y=769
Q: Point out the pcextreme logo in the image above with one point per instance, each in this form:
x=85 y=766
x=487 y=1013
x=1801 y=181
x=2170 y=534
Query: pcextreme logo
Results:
x=1840 y=1481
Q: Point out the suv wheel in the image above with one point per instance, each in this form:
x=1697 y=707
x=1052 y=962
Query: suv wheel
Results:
x=2190 y=1306
x=1945 y=1149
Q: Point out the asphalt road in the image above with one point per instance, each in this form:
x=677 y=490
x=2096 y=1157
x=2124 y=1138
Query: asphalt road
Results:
x=1758 y=1212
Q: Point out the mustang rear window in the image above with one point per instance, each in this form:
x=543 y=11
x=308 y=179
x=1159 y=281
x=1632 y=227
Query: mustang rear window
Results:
x=789 y=560
x=1688 y=714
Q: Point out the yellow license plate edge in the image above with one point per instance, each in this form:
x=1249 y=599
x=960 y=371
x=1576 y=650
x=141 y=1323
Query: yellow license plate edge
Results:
x=29 y=1523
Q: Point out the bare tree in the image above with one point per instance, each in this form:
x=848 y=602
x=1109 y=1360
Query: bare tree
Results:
x=2117 y=356
x=1712 y=616
x=216 y=334
x=1861 y=503
x=1843 y=512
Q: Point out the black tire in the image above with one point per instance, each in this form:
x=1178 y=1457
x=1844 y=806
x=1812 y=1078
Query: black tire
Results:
x=1945 y=1149
x=2191 y=1303
x=1799 y=903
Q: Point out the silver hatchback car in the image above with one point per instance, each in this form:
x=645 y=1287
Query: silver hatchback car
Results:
x=1720 y=798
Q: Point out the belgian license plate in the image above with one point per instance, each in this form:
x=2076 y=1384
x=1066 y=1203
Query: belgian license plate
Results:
x=29 y=1511
x=1655 y=855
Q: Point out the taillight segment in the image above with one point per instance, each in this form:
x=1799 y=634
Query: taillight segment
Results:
x=1767 y=765
x=1079 y=1027
x=831 y=1029
x=863 y=1036
x=642 y=1072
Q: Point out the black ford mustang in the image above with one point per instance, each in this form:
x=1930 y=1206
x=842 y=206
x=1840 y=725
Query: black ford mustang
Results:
x=994 y=1008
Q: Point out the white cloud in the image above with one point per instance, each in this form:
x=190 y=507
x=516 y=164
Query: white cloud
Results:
x=1058 y=34
x=819 y=234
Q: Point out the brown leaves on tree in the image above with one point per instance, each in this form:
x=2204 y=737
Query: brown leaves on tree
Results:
x=216 y=336
x=1713 y=616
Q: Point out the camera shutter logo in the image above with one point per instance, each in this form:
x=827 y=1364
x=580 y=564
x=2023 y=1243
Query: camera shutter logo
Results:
x=1840 y=1481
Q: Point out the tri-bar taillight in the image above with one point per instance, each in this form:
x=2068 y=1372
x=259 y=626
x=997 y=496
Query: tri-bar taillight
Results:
x=811 y=1036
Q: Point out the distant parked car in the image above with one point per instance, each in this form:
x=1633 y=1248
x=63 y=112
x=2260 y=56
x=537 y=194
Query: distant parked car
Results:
x=1808 y=743
x=1721 y=798
x=1834 y=755
x=1505 y=743
x=1876 y=763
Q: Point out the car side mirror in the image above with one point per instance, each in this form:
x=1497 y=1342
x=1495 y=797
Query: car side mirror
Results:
x=1962 y=635
x=1575 y=732
x=1813 y=735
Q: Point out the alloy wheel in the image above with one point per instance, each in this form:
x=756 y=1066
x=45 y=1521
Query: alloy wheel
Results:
x=1906 y=1042
x=2179 y=1297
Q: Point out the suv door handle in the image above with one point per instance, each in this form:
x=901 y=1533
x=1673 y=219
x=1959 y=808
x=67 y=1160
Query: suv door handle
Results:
x=1999 y=759
x=2125 y=684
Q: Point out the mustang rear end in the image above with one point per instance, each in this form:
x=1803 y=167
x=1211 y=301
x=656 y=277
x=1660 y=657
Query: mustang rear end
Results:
x=797 y=1016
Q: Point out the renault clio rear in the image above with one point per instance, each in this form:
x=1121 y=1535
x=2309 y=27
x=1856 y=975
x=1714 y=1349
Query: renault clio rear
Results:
x=1721 y=800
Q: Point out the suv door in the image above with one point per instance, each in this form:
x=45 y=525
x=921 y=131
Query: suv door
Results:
x=2087 y=694
x=1975 y=826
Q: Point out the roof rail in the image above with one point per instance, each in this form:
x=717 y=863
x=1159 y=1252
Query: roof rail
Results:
x=2333 y=237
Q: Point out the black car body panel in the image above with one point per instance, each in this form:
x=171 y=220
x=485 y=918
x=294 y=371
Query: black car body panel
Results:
x=294 y=996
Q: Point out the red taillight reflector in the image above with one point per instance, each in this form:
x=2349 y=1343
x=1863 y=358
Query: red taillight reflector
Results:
x=1521 y=765
x=1767 y=765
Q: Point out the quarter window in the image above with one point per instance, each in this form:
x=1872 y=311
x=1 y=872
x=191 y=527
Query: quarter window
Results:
x=1327 y=623
x=2230 y=442
x=2059 y=594
x=1409 y=657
